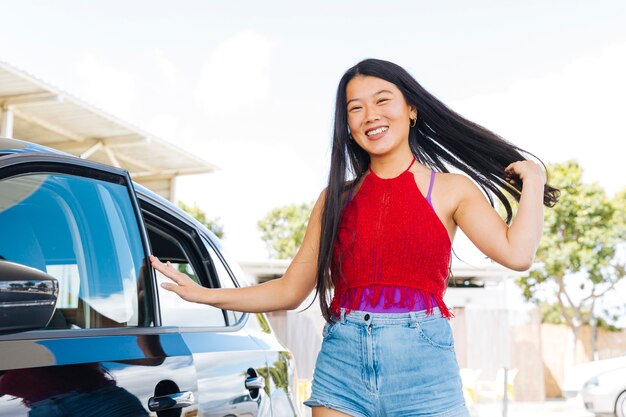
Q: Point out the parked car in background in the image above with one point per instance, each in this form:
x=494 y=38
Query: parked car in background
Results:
x=605 y=394
x=578 y=375
x=85 y=328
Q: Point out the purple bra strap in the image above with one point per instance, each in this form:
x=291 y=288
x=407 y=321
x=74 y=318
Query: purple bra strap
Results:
x=349 y=197
x=430 y=187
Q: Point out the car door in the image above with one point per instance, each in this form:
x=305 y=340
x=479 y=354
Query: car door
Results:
x=280 y=375
x=103 y=352
x=231 y=368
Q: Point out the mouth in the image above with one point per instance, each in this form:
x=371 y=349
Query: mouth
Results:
x=376 y=131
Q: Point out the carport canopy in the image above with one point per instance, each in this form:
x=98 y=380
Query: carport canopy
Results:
x=35 y=111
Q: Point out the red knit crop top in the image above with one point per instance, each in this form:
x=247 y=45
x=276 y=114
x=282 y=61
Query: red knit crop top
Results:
x=390 y=237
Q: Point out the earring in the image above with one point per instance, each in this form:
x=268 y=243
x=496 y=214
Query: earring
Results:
x=413 y=122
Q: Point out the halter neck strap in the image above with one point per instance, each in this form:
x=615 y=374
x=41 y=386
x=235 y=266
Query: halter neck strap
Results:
x=411 y=164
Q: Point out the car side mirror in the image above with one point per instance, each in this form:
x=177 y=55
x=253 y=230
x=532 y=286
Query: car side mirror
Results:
x=27 y=297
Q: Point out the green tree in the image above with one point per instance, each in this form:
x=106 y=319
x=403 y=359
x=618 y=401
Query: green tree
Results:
x=283 y=229
x=551 y=313
x=578 y=257
x=214 y=225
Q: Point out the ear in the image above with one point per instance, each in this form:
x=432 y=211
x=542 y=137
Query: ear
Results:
x=413 y=112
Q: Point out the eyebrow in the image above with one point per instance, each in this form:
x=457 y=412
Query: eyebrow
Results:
x=373 y=95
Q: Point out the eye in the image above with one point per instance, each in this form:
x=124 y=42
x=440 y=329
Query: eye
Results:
x=383 y=100
x=355 y=108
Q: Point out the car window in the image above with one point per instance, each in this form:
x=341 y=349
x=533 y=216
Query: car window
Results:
x=83 y=232
x=225 y=280
x=170 y=244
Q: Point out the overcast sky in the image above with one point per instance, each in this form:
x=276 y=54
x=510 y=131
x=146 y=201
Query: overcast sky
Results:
x=249 y=86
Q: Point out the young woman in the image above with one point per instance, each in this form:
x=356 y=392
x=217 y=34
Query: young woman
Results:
x=380 y=236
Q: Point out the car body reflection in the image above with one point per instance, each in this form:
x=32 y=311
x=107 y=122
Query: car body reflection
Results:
x=71 y=390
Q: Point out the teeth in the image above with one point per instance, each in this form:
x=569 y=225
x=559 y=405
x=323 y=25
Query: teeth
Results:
x=376 y=131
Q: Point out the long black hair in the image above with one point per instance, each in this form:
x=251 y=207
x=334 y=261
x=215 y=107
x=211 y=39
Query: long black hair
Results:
x=441 y=138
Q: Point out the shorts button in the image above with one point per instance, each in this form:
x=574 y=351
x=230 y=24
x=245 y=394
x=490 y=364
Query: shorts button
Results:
x=367 y=317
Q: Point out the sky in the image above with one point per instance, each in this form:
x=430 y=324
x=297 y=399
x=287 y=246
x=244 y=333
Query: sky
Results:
x=249 y=86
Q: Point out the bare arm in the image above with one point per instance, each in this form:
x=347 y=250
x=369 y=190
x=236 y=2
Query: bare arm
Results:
x=286 y=292
x=514 y=246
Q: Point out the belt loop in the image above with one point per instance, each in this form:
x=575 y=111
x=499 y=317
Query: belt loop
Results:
x=413 y=318
x=342 y=319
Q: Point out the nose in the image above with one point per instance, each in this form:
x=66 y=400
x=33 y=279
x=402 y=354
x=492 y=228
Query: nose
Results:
x=371 y=115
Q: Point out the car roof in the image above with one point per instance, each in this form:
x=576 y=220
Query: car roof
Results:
x=10 y=145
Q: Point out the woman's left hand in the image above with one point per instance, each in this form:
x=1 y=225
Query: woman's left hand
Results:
x=526 y=171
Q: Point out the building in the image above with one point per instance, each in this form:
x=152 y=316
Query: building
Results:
x=38 y=112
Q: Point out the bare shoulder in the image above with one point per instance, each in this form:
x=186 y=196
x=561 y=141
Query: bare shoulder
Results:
x=456 y=183
x=457 y=189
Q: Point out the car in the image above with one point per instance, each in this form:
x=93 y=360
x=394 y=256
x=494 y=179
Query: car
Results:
x=85 y=327
x=605 y=393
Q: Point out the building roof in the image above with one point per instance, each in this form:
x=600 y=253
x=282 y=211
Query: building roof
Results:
x=43 y=114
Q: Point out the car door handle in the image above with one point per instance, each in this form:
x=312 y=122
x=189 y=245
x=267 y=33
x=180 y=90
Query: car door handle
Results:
x=255 y=382
x=170 y=401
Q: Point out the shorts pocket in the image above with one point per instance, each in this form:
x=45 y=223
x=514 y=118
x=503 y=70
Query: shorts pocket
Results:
x=437 y=332
x=329 y=329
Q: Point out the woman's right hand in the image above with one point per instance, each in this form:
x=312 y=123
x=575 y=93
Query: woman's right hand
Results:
x=185 y=287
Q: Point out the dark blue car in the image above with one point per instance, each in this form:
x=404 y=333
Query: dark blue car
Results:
x=85 y=329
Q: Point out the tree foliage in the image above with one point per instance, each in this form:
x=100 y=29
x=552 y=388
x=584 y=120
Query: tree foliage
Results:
x=578 y=256
x=214 y=225
x=551 y=314
x=283 y=229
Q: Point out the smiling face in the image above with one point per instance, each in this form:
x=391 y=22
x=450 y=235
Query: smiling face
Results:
x=378 y=115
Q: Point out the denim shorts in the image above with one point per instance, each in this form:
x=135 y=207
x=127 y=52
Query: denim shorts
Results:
x=388 y=364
